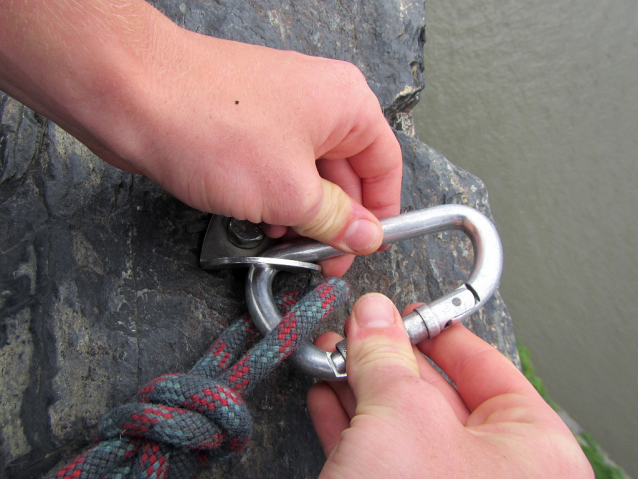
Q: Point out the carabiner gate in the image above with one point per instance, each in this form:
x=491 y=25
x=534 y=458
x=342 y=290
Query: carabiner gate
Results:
x=426 y=321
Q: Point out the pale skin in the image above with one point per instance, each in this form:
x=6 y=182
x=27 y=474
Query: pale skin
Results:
x=298 y=143
x=398 y=417
x=240 y=130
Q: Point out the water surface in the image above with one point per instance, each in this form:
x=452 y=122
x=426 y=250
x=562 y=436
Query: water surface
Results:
x=540 y=100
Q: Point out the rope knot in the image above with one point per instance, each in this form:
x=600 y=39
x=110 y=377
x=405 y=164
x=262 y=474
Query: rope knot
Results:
x=181 y=420
x=184 y=411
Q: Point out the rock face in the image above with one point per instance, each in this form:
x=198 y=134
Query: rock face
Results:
x=100 y=287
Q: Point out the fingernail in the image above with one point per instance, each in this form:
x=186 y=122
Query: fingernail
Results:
x=362 y=236
x=374 y=311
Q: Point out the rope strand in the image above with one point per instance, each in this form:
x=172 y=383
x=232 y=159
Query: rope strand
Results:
x=180 y=421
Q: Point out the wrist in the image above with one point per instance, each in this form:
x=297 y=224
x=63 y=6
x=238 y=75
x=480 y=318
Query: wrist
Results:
x=125 y=88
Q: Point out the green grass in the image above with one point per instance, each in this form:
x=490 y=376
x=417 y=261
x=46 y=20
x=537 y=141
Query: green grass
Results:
x=595 y=455
x=530 y=373
x=597 y=459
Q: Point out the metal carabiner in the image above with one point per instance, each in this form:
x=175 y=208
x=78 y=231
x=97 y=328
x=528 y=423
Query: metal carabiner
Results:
x=426 y=321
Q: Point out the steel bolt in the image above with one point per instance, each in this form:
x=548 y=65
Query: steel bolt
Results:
x=244 y=234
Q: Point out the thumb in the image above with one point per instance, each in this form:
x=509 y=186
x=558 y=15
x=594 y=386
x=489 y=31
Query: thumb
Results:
x=380 y=356
x=342 y=223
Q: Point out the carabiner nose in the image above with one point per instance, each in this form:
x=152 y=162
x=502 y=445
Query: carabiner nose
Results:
x=427 y=320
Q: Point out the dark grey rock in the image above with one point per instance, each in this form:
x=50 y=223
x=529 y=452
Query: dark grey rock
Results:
x=100 y=287
x=383 y=38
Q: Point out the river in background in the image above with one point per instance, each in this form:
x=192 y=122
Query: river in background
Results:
x=540 y=100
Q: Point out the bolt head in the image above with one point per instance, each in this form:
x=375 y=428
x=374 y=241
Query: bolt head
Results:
x=244 y=234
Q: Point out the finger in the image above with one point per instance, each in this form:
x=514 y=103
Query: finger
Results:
x=340 y=172
x=331 y=404
x=274 y=231
x=381 y=186
x=333 y=267
x=341 y=222
x=375 y=155
x=380 y=358
x=328 y=416
x=431 y=375
x=479 y=371
x=343 y=391
x=337 y=219
x=336 y=267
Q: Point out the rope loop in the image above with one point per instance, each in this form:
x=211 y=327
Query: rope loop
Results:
x=180 y=421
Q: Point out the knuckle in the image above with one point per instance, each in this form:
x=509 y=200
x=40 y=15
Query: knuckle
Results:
x=352 y=71
x=292 y=202
x=351 y=80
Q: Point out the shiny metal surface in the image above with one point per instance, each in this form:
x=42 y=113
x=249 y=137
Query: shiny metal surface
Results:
x=244 y=234
x=247 y=261
x=426 y=321
x=228 y=238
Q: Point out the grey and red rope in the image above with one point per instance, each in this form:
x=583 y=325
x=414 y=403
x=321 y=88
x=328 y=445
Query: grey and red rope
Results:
x=182 y=421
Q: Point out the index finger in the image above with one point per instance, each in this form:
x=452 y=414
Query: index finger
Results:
x=375 y=156
x=380 y=167
x=479 y=371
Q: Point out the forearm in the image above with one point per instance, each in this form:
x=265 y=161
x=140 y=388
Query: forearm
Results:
x=227 y=127
x=83 y=63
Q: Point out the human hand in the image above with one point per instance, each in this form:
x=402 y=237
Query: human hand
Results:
x=276 y=113
x=229 y=128
x=398 y=417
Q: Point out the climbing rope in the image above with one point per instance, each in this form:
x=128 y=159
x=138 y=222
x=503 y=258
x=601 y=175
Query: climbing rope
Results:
x=182 y=421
